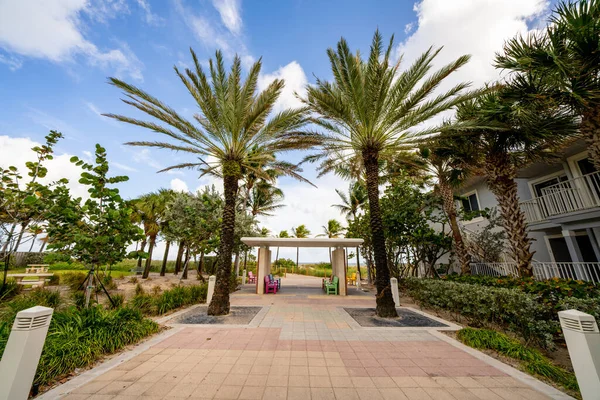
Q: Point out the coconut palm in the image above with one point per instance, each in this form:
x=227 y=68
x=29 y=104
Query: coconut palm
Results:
x=352 y=202
x=370 y=112
x=233 y=134
x=442 y=164
x=518 y=133
x=333 y=229
x=166 y=197
x=282 y=234
x=300 y=232
x=151 y=208
x=264 y=199
x=567 y=55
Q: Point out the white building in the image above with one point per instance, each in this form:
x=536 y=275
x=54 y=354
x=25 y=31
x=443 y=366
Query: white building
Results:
x=561 y=202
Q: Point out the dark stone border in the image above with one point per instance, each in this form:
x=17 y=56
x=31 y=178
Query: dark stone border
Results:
x=367 y=318
x=238 y=315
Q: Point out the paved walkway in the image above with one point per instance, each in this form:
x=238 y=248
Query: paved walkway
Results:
x=304 y=347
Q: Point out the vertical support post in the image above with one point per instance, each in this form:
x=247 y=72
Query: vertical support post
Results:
x=583 y=342
x=244 y=272
x=263 y=268
x=395 y=292
x=575 y=253
x=594 y=242
x=211 y=288
x=22 y=353
x=338 y=269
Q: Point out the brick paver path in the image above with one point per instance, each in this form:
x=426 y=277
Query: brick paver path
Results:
x=304 y=348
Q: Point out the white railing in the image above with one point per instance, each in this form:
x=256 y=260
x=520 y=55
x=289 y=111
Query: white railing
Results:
x=585 y=271
x=495 y=269
x=564 y=197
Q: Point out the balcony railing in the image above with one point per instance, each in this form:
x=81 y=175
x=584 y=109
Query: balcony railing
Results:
x=585 y=271
x=573 y=195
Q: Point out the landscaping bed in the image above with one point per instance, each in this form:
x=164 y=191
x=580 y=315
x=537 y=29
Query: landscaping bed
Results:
x=366 y=317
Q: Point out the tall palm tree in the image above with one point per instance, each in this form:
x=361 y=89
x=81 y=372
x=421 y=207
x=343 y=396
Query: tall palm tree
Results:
x=166 y=197
x=352 y=202
x=371 y=112
x=151 y=208
x=333 y=229
x=282 y=234
x=446 y=168
x=233 y=133
x=264 y=199
x=518 y=133
x=300 y=232
x=567 y=55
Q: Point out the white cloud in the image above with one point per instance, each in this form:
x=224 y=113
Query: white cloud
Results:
x=54 y=30
x=221 y=35
x=17 y=151
x=122 y=166
x=230 y=14
x=476 y=27
x=144 y=156
x=150 y=17
x=92 y=107
x=305 y=204
x=295 y=82
x=12 y=62
x=179 y=186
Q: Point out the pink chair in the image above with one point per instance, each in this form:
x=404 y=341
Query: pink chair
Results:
x=270 y=287
x=251 y=277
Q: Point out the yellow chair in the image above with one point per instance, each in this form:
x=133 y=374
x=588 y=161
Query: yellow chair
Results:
x=351 y=279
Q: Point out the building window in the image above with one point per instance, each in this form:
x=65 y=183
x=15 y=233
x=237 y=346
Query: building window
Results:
x=539 y=187
x=470 y=202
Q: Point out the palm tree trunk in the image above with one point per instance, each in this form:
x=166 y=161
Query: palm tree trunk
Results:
x=385 y=302
x=149 y=259
x=186 y=264
x=590 y=129
x=450 y=209
x=163 y=268
x=501 y=180
x=220 y=300
x=139 y=261
x=41 y=250
x=179 y=256
x=358 y=275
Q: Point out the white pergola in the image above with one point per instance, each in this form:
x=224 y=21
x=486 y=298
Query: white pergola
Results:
x=338 y=256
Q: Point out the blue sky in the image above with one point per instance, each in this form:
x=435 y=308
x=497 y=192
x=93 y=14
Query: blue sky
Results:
x=56 y=55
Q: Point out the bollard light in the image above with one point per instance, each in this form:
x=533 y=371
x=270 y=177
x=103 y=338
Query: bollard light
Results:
x=244 y=273
x=22 y=353
x=583 y=342
x=211 y=288
x=395 y=292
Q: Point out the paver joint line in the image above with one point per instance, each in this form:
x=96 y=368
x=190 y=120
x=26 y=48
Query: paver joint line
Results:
x=301 y=345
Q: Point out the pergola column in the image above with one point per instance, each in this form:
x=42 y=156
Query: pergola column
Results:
x=338 y=268
x=263 y=268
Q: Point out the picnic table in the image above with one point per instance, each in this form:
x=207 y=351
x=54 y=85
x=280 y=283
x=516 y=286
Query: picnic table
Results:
x=37 y=268
x=40 y=280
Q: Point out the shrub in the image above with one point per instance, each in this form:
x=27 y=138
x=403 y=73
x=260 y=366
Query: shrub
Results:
x=139 y=289
x=117 y=301
x=133 y=279
x=56 y=257
x=10 y=290
x=520 y=312
x=73 y=279
x=534 y=361
x=67 y=266
x=590 y=306
x=168 y=300
x=54 y=280
x=77 y=338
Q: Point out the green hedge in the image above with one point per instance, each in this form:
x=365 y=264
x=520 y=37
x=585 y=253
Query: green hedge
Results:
x=158 y=304
x=590 y=306
x=519 y=312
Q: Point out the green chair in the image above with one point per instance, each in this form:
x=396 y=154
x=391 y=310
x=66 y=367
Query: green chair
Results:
x=333 y=286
